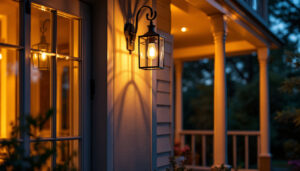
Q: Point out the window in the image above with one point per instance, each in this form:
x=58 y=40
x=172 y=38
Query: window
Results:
x=55 y=77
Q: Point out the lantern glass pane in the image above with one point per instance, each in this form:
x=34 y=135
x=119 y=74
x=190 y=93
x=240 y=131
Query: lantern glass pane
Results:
x=161 y=52
x=149 y=51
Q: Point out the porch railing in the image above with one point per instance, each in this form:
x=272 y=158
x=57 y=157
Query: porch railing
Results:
x=199 y=157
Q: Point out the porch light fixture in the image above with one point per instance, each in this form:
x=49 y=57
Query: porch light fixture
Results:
x=40 y=58
x=151 y=44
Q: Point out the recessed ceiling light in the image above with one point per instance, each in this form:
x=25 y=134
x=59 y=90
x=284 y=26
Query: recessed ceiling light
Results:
x=183 y=29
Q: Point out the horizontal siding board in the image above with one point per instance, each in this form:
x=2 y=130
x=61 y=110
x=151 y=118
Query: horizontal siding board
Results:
x=163 y=74
x=168 y=47
x=163 y=160
x=163 y=144
x=163 y=98
x=163 y=114
x=163 y=86
x=167 y=60
x=163 y=129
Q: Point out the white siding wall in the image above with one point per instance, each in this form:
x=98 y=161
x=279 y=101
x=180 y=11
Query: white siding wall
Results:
x=164 y=106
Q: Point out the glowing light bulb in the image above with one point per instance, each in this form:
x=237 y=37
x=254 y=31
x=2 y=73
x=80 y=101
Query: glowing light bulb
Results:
x=183 y=29
x=152 y=53
x=0 y=56
x=44 y=56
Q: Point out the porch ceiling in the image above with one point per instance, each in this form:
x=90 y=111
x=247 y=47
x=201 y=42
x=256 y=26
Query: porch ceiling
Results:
x=197 y=41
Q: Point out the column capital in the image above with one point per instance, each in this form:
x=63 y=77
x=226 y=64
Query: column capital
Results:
x=263 y=54
x=218 y=26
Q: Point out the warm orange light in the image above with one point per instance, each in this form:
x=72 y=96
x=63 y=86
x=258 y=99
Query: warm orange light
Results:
x=67 y=57
x=152 y=52
x=183 y=29
x=0 y=56
x=43 y=8
x=44 y=56
x=35 y=56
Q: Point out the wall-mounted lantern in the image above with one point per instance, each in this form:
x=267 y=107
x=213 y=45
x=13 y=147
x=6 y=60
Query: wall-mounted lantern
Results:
x=151 y=44
x=40 y=55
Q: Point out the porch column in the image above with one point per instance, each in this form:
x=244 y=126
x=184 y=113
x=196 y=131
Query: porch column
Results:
x=178 y=98
x=264 y=156
x=218 y=27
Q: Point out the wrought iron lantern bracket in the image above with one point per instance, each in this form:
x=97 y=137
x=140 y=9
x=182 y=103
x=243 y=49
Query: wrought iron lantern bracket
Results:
x=130 y=30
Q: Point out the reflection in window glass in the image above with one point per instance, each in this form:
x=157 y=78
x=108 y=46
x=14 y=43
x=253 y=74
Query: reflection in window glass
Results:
x=40 y=95
x=67 y=36
x=67 y=98
x=9 y=22
x=40 y=28
x=67 y=154
x=9 y=69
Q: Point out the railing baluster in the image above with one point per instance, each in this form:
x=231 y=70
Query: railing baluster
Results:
x=203 y=150
x=234 y=134
x=234 y=151
x=258 y=150
x=182 y=139
x=246 y=151
x=193 y=149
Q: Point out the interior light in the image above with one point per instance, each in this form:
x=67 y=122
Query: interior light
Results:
x=0 y=56
x=183 y=29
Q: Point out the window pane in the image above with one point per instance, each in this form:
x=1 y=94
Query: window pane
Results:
x=67 y=98
x=9 y=96
x=68 y=154
x=40 y=96
x=42 y=149
x=9 y=22
x=67 y=36
x=40 y=28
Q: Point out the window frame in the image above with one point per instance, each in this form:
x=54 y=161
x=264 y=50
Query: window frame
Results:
x=24 y=54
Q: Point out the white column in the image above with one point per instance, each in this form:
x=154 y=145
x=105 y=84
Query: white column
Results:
x=220 y=112
x=178 y=98
x=265 y=156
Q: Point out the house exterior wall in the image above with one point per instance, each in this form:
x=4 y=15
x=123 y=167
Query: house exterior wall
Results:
x=164 y=107
x=127 y=111
x=164 y=89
